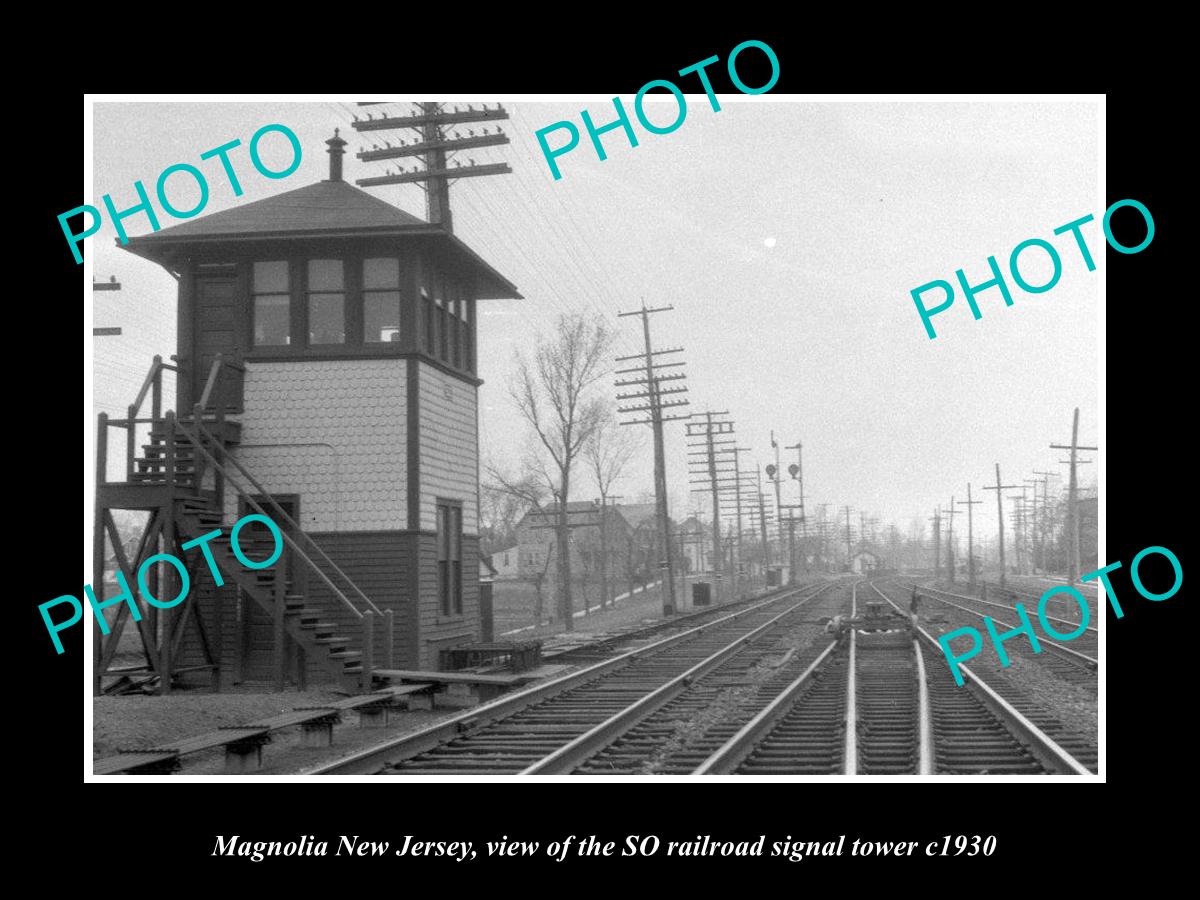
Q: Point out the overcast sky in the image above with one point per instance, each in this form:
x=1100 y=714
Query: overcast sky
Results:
x=787 y=235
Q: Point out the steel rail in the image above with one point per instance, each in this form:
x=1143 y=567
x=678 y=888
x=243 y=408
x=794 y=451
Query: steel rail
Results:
x=372 y=759
x=731 y=754
x=1061 y=621
x=1045 y=748
x=924 y=716
x=850 y=758
x=568 y=757
x=1074 y=655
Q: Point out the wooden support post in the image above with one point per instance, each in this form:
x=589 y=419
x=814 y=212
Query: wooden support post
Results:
x=368 y=643
x=301 y=668
x=389 y=639
x=156 y=395
x=218 y=641
x=280 y=632
x=98 y=549
x=130 y=443
x=241 y=637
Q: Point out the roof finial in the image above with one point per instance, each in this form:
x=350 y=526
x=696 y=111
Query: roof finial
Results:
x=336 y=153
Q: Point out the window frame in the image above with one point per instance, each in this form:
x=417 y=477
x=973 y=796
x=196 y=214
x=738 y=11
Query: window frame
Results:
x=286 y=293
x=365 y=291
x=449 y=540
x=308 y=298
x=441 y=332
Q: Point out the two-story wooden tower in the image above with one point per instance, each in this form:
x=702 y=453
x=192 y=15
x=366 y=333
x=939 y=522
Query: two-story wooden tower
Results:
x=326 y=365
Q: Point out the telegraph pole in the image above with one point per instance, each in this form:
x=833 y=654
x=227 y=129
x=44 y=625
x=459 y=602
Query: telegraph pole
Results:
x=950 y=540
x=737 y=468
x=1072 y=492
x=762 y=522
x=937 y=543
x=607 y=502
x=1044 y=521
x=656 y=405
x=434 y=149
x=968 y=503
x=849 y=548
x=701 y=434
x=111 y=285
x=999 y=489
x=1038 y=558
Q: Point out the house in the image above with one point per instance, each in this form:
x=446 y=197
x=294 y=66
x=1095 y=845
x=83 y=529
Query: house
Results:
x=537 y=541
x=327 y=374
x=505 y=563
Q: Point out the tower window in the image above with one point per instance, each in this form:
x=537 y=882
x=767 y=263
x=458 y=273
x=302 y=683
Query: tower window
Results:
x=272 y=305
x=326 y=302
x=381 y=300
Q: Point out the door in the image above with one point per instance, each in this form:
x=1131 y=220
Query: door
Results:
x=257 y=626
x=217 y=331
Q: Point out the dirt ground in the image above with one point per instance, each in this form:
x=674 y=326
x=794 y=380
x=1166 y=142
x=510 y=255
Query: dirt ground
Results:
x=132 y=722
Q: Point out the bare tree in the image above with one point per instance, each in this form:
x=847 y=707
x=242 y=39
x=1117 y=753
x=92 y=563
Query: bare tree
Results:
x=608 y=454
x=553 y=393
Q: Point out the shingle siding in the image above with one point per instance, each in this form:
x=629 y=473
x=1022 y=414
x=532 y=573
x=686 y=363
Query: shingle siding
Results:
x=345 y=423
x=449 y=446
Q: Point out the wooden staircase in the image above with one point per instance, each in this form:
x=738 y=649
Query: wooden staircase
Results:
x=304 y=622
x=181 y=475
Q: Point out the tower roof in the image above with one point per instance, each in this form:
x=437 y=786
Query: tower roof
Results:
x=325 y=209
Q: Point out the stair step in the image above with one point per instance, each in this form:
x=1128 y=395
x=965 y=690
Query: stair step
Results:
x=346 y=655
x=319 y=628
x=331 y=641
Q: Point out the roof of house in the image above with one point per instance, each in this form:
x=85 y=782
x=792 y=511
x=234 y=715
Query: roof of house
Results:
x=637 y=513
x=323 y=209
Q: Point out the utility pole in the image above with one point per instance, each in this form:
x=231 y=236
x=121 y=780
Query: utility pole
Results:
x=654 y=393
x=968 y=503
x=798 y=474
x=607 y=503
x=937 y=543
x=737 y=468
x=434 y=149
x=1072 y=493
x=999 y=489
x=762 y=522
x=1020 y=532
x=1043 y=524
x=849 y=548
x=823 y=529
x=701 y=434
x=950 y=540
x=1037 y=557
x=111 y=285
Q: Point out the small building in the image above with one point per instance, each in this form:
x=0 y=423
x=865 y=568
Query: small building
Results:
x=330 y=339
x=506 y=563
x=537 y=543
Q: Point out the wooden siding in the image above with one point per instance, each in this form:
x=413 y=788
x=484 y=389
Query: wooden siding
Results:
x=381 y=563
x=449 y=446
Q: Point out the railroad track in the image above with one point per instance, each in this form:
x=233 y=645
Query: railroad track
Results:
x=1031 y=593
x=759 y=691
x=554 y=727
x=1076 y=661
x=870 y=705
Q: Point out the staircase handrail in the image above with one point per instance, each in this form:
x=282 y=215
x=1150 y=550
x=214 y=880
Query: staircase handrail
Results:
x=202 y=430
